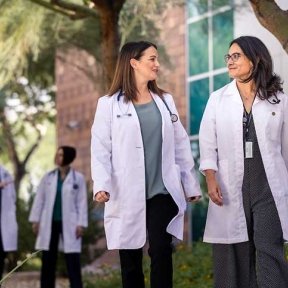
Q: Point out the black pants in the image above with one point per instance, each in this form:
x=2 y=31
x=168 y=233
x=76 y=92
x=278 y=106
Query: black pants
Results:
x=49 y=260
x=2 y=256
x=159 y=212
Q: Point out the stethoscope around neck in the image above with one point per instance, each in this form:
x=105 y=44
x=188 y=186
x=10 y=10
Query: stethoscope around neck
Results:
x=173 y=116
x=75 y=185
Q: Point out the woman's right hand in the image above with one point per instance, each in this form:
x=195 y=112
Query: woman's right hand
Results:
x=102 y=196
x=214 y=191
x=35 y=228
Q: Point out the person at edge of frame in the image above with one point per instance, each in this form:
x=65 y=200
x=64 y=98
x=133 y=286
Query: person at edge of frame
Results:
x=244 y=156
x=8 y=221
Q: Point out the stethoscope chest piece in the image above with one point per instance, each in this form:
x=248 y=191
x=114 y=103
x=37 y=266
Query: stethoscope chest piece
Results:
x=174 y=117
x=75 y=186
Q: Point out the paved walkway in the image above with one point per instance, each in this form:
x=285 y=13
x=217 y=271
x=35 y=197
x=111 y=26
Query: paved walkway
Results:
x=30 y=280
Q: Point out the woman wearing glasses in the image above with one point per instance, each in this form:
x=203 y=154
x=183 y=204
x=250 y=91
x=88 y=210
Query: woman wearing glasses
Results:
x=141 y=161
x=244 y=156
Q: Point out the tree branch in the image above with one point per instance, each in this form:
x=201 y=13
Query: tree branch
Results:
x=71 y=10
x=32 y=149
x=78 y=9
x=273 y=19
x=53 y=8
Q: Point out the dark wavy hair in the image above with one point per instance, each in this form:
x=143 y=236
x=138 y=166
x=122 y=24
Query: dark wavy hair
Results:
x=124 y=78
x=267 y=82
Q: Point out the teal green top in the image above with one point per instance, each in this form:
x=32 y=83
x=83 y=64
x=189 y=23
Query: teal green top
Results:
x=57 y=211
x=151 y=128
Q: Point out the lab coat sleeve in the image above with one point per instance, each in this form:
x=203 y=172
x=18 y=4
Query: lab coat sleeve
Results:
x=101 y=146
x=284 y=133
x=38 y=203
x=208 y=137
x=183 y=157
x=11 y=185
x=81 y=203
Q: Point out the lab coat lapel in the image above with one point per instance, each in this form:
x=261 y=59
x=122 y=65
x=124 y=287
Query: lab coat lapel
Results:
x=233 y=92
x=128 y=108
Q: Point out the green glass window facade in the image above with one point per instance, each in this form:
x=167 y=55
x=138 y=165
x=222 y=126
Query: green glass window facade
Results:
x=198 y=97
x=210 y=30
x=216 y=4
x=220 y=81
x=199 y=49
x=222 y=35
x=197 y=7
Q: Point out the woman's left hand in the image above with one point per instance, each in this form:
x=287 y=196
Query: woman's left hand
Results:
x=4 y=183
x=79 y=231
x=194 y=199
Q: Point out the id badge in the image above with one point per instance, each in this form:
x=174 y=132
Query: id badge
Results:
x=248 y=149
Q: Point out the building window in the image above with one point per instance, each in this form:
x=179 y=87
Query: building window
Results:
x=210 y=30
x=199 y=90
x=197 y=7
x=198 y=63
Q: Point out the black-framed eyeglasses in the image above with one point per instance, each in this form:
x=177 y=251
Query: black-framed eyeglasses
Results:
x=234 y=57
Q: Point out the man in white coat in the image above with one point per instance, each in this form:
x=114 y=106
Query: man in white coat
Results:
x=59 y=211
x=8 y=223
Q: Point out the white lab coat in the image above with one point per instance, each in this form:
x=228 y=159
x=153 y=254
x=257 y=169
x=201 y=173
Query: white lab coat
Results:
x=74 y=209
x=117 y=159
x=9 y=227
x=221 y=149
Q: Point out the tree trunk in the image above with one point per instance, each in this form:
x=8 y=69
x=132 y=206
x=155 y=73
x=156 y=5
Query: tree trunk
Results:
x=110 y=39
x=19 y=167
x=273 y=19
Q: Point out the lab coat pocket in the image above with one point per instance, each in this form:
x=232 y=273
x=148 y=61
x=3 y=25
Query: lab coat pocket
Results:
x=274 y=124
x=112 y=209
x=223 y=174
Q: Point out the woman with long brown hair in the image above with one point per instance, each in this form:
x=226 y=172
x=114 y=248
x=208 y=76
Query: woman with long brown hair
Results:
x=244 y=155
x=142 y=166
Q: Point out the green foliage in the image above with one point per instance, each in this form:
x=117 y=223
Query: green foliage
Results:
x=109 y=279
x=192 y=268
x=14 y=46
x=28 y=48
x=26 y=239
x=27 y=110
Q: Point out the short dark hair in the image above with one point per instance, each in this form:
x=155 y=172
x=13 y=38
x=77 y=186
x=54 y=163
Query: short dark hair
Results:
x=124 y=79
x=69 y=154
x=267 y=82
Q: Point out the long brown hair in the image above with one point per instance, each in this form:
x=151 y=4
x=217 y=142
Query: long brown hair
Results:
x=124 y=78
x=267 y=83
